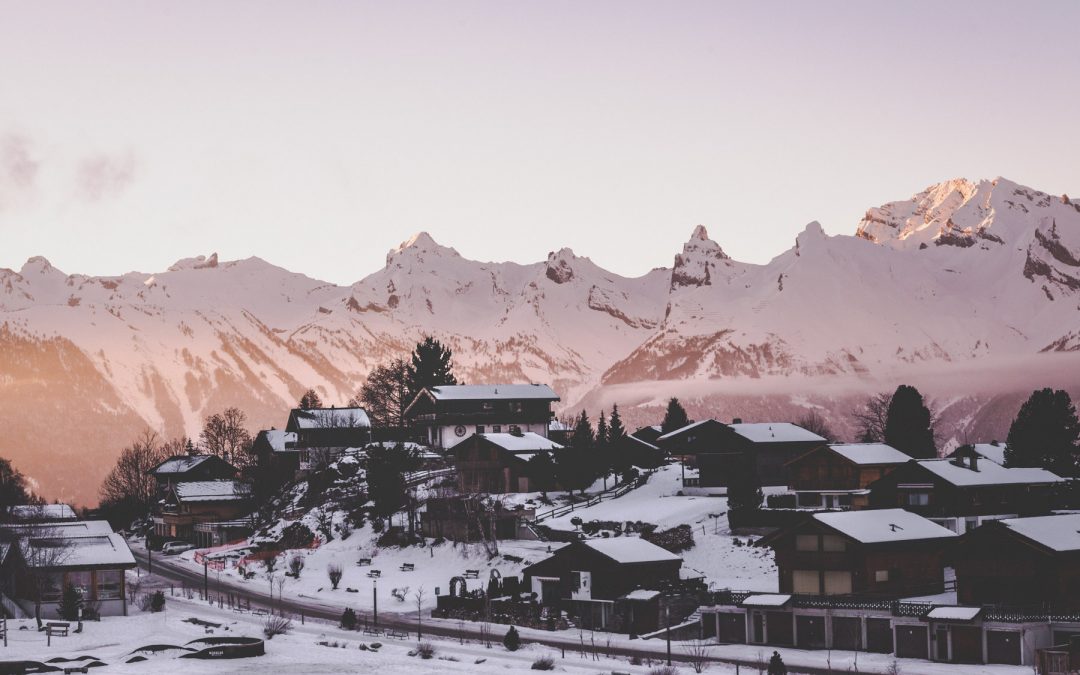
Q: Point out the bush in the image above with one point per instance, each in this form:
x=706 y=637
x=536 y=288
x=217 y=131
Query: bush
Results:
x=296 y=535
x=377 y=525
x=664 y=670
x=70 y=603
x=334 y=572
x=676 y=540
x=512 y=641
x=276 y=625
x=782 y=501
x=425 y=650
x=776 y=665
x=157 y=601
x=296 y=563
x=544 y=663
x=348 y=619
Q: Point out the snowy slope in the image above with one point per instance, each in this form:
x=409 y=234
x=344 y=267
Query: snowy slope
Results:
x=986 y=271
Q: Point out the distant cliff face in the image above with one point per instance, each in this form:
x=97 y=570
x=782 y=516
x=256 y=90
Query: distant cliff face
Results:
x=962 y=271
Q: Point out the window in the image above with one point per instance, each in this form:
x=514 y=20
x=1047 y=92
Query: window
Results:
x=806 y=542
x=832 y=542
x=480 y=428
x=81 y=582
x=917 y=498
x=881 y=576
x=108 y=584
x=496 y=428
x=514 y=429
x=809 y=499
x=837 y=582
x=516 y=406
x=805 y=582
x=51 y=587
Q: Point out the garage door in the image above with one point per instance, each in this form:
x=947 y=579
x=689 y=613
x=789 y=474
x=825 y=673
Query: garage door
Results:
x=911 y=642
x=879 y=636
x=966 y=644
x=731 y=628
x=1003 y=646
x=778 y=629
x=847 y=633
x=810 y=632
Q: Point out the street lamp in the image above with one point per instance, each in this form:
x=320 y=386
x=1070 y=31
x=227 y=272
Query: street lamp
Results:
x=375 y=601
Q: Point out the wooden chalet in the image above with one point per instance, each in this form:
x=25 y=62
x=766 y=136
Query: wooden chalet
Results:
x=39 y=560
x=204 y=513
x=497 y=463
x=963 y=491
x=838 y=475
x=471 y=518
x=189 y=468
x=607 y=584
x=322 y=434
x=717 y=448
x=1031 y=563
x=649 y=434
x=888 y=553
x=447 y=415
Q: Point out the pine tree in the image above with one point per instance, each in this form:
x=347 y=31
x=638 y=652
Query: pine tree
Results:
x=583 y=433
x=70 y=603
x=616 y=430
x=431 y=365
x=776 y=665
x=512 y=641
x=541 y=472
x=310 y=400
x=601 y=431
x=1045 y=434
x=744 y=489
x=675 y=417
x=909 y=426
x=189 y=447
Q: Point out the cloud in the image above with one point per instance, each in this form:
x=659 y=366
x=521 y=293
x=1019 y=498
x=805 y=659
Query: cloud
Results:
x=104 y=176
x=18 y=169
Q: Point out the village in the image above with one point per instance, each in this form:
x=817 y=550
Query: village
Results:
x=477 y=514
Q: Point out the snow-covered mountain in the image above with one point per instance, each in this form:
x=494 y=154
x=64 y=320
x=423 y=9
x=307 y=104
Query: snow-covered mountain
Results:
x=962 y=271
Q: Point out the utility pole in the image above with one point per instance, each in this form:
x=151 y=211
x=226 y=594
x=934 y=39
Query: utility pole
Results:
x=149 y=556
x=667 y=620
x=205 y=579
x=375 y=602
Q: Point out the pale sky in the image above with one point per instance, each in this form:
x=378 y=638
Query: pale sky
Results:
x=320 y=135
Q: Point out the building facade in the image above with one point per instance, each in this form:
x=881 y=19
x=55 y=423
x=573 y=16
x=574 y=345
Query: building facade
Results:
x=447 y=415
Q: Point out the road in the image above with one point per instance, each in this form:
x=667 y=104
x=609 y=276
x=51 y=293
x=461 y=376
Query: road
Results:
x=170 y=568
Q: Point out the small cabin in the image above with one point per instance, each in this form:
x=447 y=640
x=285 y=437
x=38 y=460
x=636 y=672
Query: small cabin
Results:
x=204 y=513
x=322 y=434
x=498 y=463
x=838 y=475
x=189 y=468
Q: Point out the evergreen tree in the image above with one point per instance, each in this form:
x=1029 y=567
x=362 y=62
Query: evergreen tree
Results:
x=909 y=426
x=1045 y=434
x=583 y=438
x=431 y=365
x=512 y=641
x=386 y=468
x=616 y=430
x=310 y=400
x=744 y=489
x=601 y=431
x=675 y=417
x=776 y=665
x=13 y=489
x=189 y=447
x=541 y=472
x=70 y=603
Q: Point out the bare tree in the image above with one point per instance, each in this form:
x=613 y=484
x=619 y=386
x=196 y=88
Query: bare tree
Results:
x=43 y=549
x=130 y=484
x=418 y=596
x=814 y=422
x=270 y=568
x=334 y=572
x=280 y=583
x=697 y=654
x=224 y=435
x=871 y=416
x=385 y=395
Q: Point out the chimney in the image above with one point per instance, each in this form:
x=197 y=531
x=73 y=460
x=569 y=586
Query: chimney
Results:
x=974 y=460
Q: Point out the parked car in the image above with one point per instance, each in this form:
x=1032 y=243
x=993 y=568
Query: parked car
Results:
x=174 y=547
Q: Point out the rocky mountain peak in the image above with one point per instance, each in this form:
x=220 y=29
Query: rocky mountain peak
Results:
x=559 y=267
x=37 y=265
x=420 y=245
x=698 y=260
x=197 y=263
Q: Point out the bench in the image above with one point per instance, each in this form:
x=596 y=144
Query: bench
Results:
x=376 y=632
x=363 y=562
x=374 y=574
x=472 y=574
x=408 y=567
x=401 y=635
x=57 y=628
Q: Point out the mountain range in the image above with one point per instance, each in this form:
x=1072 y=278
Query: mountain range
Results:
x=965 y=277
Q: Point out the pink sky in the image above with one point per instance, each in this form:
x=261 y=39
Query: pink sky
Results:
x=319 y=135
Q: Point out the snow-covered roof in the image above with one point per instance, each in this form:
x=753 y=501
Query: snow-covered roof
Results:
x=281 y=440
x=869 y=454
x=993 y=452
x=988 y=473
x=180 y=464
x=212 y=491
x=766 y=600
x=508 y=392
x=331 y=418
x=528 y=440
x=641 y=594
x=635 y=439
x=558 y=425
x=43 y=512
x=630 y=550
x=774 y=432
x=73 y=528
x=681 y=430
x=1057 y=533
x=97 y=550
x=954 y=613
x=883 y=525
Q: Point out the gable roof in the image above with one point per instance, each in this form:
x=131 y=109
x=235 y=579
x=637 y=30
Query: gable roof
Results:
x=630 y=550
x=502 y=392
x=329 y=418
x=86 y=543
x=883 y=526
x=182 y=464
x=988 y=473
x=1059 y=533
x=775 y=432
x=870 y=454
x=42 y=512
x=212 y=491
x=524 y=442
x=280 y=440
x=995 y=452
x=689 y=427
